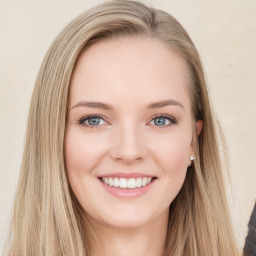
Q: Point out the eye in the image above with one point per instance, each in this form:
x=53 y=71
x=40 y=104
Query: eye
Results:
x=91 y=121
x=163 y=120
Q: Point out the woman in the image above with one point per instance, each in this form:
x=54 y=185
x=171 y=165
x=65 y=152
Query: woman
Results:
x=121 y=154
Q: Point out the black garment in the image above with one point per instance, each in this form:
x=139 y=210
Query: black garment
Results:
x=250 y=240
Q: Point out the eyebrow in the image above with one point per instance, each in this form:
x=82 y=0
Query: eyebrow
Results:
x=93 y=105
x=165 y=103
x=159 y=104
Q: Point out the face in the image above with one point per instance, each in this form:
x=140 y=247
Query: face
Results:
x=129 y=131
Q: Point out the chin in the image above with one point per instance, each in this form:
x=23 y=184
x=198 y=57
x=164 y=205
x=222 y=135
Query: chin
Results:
x=128 y=217
x=129 y=221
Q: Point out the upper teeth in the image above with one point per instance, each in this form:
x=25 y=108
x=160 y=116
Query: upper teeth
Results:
x=126 y=183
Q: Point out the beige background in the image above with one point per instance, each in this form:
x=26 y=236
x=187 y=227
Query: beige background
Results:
x=224 y=32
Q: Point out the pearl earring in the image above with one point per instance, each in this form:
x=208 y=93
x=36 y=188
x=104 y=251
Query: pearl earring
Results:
x=192 y=158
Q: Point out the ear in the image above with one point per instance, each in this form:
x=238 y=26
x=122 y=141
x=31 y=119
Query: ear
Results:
x=199 y=127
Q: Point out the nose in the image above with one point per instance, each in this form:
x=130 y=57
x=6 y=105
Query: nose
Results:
x=128 y=145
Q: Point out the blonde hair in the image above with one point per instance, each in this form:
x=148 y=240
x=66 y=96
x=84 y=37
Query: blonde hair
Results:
x=47 y=219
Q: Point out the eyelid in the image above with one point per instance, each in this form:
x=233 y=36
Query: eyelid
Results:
x=172 y=119
x=83 y=119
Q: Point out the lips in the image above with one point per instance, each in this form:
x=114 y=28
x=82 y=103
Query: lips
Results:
x=127 y=185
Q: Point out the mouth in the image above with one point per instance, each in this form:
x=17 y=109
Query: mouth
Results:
x=125 y=183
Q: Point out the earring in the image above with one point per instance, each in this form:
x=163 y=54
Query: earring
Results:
x=192 y=158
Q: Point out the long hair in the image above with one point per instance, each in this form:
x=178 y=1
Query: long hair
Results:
x=47 y=219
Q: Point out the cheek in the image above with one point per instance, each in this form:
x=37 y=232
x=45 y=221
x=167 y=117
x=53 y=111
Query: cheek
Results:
x=82 y=155
x=81 y=152
x=173 y=161
x=173 y=154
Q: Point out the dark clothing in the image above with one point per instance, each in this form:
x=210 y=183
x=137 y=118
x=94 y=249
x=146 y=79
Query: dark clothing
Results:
x=250 y=240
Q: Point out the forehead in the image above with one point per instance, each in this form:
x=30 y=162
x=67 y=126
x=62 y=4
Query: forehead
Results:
x=132 y=68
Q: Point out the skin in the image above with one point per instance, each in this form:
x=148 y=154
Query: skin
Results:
x=128 y=74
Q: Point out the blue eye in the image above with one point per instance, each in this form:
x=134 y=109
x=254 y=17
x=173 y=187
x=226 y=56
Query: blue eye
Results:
x=159 y=121
x=92 y=121
x=163 y=120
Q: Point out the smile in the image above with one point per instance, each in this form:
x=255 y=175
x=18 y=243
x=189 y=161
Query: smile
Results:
x=127 y=183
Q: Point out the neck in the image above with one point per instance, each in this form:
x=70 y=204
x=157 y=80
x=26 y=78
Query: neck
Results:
x=145 y=240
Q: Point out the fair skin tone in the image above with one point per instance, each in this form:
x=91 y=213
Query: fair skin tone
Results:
x=140 y=127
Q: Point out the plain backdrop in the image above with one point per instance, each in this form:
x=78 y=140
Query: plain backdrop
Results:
x=225 y=35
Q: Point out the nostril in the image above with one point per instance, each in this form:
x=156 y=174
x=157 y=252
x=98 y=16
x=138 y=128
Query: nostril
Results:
x=128 y=147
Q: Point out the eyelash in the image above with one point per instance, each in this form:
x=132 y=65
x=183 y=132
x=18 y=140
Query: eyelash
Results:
x=168 y=117
x=172 y=120
x=83 y=119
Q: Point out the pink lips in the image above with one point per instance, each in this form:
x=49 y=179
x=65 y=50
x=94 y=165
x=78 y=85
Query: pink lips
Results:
x=127 y=192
